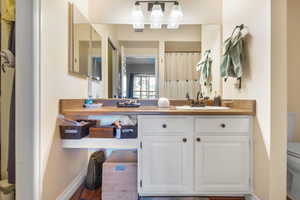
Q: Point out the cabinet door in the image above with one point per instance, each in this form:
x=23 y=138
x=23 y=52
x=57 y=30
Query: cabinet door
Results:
x=166 y=164
x=222 y=164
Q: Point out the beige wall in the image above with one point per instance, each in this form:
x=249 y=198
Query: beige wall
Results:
x=294 y=62
x=264 y=80
x=59 y=166
x=278 y=158
x=212 y=40
x=256 y=83
x=106 y=31
x=184 y=33
x=141 y=52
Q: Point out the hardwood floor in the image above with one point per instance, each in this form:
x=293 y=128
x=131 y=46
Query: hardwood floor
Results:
x=84 y=194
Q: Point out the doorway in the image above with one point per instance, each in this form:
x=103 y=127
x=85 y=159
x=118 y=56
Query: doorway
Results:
x=141 y=78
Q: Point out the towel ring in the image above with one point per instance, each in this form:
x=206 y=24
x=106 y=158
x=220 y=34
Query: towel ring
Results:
x=239 y=28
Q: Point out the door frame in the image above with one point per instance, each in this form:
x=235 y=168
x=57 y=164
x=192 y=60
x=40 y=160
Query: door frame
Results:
x=28 y=32
x=155 y=67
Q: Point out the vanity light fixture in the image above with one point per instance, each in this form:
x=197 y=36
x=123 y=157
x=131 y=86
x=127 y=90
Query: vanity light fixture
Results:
x=173 y=25
x=138 y=26
x=155 y=25
x=137 y=11
x=176 y=12
x=156 y=9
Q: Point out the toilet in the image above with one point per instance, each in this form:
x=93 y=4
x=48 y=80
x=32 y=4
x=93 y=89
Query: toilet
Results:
x=293 y=161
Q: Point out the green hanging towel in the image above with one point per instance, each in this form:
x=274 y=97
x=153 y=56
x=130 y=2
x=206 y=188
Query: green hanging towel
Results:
x=234 y=56
x=205 y=67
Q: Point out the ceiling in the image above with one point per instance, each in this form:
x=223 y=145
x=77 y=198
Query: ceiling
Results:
x=119 y=11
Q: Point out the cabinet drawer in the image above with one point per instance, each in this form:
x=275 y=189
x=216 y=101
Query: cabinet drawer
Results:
x=172 y=125
x=223 y=125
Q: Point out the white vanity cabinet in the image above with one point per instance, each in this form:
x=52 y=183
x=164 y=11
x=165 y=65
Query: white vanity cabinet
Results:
x=166 y=164
x=194 y=155
x=165 y=155
x=222 y=154
x=222 y=164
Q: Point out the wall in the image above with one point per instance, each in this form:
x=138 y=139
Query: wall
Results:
x=212 y=40
x=279 y=65
x=262 y=82
x=294 y=62
x=256 y=82
x=184 y=46
x=140 y=52
x=59 y=166
x=106 y=31
x=184 y=33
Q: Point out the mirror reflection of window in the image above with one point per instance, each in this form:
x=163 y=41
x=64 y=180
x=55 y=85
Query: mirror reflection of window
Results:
x=144 y=86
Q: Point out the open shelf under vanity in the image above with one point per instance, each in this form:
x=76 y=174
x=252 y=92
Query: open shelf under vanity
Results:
x=90 y=143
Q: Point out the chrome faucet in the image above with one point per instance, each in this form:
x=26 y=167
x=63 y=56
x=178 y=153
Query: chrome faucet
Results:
x=199 y=95
x=199 y=99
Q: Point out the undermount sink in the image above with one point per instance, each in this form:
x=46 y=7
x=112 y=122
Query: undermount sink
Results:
x=201 y=108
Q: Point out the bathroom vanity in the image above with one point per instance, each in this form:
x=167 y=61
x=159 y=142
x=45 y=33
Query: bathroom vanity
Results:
x=194 y=155
x=183 y=152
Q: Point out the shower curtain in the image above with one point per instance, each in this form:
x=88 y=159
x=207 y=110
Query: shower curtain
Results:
x=8 y=19
x=7 y=115
x=181 y=77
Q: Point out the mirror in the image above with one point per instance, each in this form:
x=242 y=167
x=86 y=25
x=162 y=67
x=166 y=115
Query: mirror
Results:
x=96 y=56
x=163 y=62
x=84 y=46
x=144 y=63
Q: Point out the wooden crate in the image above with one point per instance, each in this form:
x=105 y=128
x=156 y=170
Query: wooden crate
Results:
x=102 y=132
x=120 y=176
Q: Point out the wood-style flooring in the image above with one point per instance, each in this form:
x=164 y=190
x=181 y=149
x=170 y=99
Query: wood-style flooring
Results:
x=84 y=194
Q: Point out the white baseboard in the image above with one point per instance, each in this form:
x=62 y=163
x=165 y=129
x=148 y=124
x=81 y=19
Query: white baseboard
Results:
x=251 y=197
x=73 y=186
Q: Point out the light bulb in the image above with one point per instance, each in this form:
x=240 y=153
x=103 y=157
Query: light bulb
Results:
x=137 y=11
x=155 y=25
x=138 y=26
x=173 y=25
x=157 y=11
x=176 y=12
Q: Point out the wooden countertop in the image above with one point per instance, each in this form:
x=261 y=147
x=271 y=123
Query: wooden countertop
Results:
x=153 y=110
